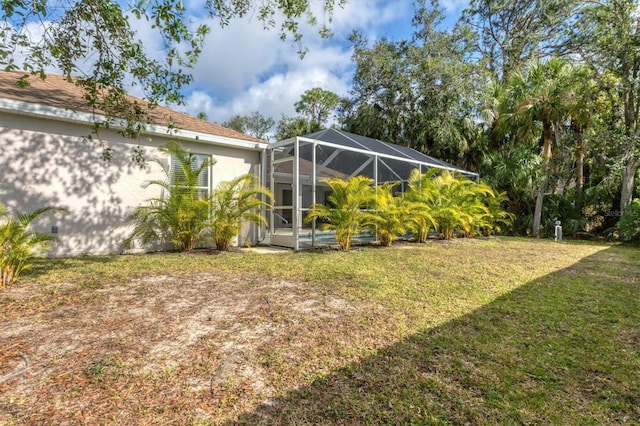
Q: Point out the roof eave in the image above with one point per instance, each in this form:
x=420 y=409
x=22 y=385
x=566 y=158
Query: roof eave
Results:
x=31 y=109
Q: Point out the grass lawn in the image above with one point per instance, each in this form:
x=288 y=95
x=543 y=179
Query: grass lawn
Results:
x=499 y=331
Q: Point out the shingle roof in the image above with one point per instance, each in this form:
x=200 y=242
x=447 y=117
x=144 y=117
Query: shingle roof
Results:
x=56 y=92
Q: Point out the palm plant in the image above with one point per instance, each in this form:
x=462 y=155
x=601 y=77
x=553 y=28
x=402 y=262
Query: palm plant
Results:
x=421 y=195
x=545 y=93
x=234 y=202
x=390 y=214
x=457 y=205
x=19 y=244
x=346 y=214
x=179 y=214
x=497 y=218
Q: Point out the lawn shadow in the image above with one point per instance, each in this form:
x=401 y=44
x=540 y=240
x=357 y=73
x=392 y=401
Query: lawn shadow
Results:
x=562 y=349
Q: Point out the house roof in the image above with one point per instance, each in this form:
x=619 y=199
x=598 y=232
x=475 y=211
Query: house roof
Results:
x=56 y=92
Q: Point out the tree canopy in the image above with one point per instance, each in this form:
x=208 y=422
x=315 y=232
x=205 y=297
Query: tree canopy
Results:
x=95 y=45
x=315 y=108
x=254 y=124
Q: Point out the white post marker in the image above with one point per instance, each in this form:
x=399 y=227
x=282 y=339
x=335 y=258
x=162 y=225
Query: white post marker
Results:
x=558 y=231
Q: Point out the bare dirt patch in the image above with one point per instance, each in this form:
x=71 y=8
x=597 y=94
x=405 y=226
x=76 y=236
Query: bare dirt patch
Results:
x=166 y=349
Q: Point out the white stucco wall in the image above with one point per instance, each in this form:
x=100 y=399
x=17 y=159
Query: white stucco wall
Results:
x=46 y=163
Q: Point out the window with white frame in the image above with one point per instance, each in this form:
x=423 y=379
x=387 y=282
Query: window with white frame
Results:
x=178 y=176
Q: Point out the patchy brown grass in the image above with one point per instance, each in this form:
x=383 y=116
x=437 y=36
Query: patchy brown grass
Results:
x=491 y=331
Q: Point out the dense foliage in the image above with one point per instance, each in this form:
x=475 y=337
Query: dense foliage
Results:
x=94 y=43
x=436 y=200
x=390 y=215
x=541 y=98
x=629 y=225
x=254 y=124
x=184 y=216
x=315 y=107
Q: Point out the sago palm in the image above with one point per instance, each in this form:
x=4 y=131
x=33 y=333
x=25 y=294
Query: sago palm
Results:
x=179 y=215
x=19 y=244
x=234 y=202
x=345 y=214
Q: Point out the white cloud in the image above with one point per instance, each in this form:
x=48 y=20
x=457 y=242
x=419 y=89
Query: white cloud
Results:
x=368 y=16
x=244 y=68
x=272 y=97
x=454 y=6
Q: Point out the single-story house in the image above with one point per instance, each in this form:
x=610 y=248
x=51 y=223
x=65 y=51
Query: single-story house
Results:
x=46 y=160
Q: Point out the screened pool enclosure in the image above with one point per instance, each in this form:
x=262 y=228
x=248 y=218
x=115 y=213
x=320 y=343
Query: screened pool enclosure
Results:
x=296 y=168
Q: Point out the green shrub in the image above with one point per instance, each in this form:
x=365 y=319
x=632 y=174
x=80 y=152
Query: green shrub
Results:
x=179 y=215
x=457 y=204
x=19 y=244
x=421 y=194
x=183 y=216
x=629 y=224
x=389 y=216
x=498 y=219
x=348 y=200
x=234 y=202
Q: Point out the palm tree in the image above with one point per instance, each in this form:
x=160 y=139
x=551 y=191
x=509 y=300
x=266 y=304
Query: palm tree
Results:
x=19 y=244
x=345 y=214
x=546 y=91
x=390 y=214
x=588 y=107
x=179 y=215
x=234 y=202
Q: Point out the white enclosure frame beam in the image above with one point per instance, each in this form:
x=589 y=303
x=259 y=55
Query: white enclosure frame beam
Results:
x=296 y=195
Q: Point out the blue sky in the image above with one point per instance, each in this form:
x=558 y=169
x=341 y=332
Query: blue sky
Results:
x=244 y=68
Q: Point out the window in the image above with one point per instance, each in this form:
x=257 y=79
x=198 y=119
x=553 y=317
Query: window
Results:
x=178 y=176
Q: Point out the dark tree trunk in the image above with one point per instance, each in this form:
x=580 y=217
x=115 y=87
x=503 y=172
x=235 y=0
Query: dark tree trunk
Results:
x=542 y=187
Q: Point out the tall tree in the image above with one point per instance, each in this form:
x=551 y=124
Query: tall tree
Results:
x=289 y=127
x=592 y=103
x=607 y=35
x=416 y=93
x=254 y=124
x=511 y=33
x=546 y=91
x=94 y=43
x=379 y=91
x=317 y=105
